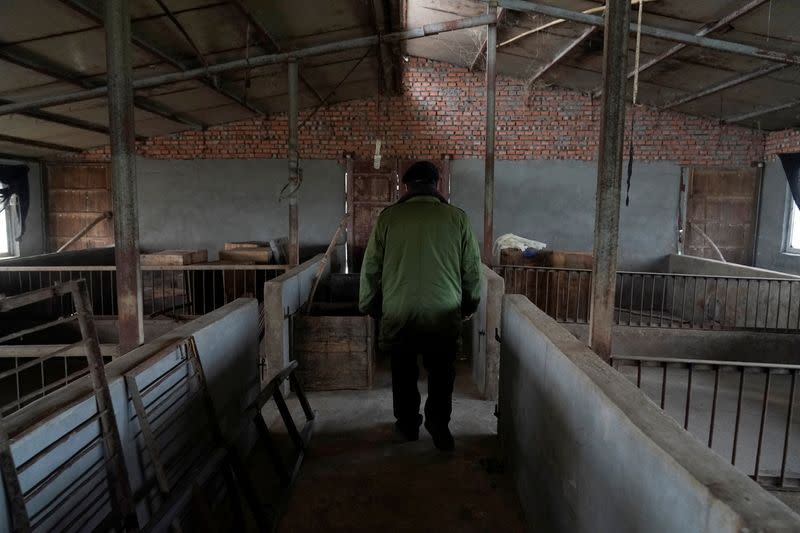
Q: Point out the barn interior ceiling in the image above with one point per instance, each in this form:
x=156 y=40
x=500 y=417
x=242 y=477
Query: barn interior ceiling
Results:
x=52 y=47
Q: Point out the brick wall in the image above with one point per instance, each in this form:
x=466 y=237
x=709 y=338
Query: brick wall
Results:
x=441 y=111
x=782 y=142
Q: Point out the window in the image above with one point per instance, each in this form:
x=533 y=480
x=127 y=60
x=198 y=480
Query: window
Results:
x=7 y=243
x=793 y=234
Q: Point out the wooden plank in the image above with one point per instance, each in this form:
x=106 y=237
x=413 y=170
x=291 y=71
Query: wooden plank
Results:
x=261 y=255
x=244 y=244
x=174 y=257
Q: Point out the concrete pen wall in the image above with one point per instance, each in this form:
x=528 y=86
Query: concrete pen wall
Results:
x=590 y=452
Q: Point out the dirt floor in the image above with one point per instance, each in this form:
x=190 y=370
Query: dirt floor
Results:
x=359 y=475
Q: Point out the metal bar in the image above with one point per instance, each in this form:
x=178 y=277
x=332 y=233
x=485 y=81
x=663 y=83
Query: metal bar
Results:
x=301 y=396
x=651 y=31
x=561 y=54
x=268 y=41
x=65 y=120
x=663 y=386
x=762 y=424
x=287 y=419
x=713 y=408
x=501 y=14
x=688 y=407
x=117 y=473
x=39 y=144
x=39 y=360
x=609 y=172
x=147 y=433
x=705 y=30
x=721 y=86
x=85 y=230
x=29 y=60
x=143 y=43
x=177 y=23
x=294 y=170
x=34 y=329
x=123 y=171
x=253 y=62
x=787 y=435
x=738 y=416
x=708 y=362
x=488 y=172
x=761 y=112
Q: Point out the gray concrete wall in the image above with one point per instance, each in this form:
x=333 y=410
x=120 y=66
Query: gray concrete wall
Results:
x=772 y=223
x=748 y=346
x=34 y=241
x=554 y=202
x=590 y=452
x=227 y=341
x=204 y=203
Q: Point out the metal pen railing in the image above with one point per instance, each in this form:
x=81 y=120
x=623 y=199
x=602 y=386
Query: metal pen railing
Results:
x=189 y=290
x=743 y=411
x=648 y=299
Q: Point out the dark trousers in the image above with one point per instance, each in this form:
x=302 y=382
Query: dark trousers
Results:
x=439 y=360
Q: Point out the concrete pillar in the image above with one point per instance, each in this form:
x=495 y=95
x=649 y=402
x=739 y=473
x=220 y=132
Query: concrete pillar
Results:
x=123 y=173
x=609 y=175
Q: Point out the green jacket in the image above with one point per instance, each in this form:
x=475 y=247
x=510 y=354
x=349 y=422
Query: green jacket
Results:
x=422 y=271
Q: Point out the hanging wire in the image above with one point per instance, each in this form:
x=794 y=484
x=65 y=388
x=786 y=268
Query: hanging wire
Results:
x=635 y=102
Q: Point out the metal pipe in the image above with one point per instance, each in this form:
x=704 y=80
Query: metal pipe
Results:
x=491 y=79
x=709 y=241
x=658 y=33
x=762 y=112
x=123 y=172
x=253 y=62
x=609 y=175
x=294 y=163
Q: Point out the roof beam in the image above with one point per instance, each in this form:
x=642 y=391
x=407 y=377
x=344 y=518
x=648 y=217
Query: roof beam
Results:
x=562 y=54
x=501 y=14
x=383 y=62
x=257 y=61
x=39 y=144
x=762 y=112
x=727 y=84
x=268 y=42
x=81 y=7
x=28 y=60
x=656 y=32
x=65 y=120
x=705 y=30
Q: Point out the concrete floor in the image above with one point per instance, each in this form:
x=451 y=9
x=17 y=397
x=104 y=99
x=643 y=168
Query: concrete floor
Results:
x=359 y=476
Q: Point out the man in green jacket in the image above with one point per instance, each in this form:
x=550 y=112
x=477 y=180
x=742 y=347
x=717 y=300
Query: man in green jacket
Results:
x=421 y=277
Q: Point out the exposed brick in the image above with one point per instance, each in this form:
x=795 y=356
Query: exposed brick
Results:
x=782 y=142
x=441 y=110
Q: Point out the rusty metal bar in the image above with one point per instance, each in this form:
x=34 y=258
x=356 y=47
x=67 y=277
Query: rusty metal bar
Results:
x=763 y=423
x=762 y=111
x=705 y=30
x=561 y=54
x=713 y=407
x=123 y=171
x=294 y=167
x=727 y=84
x=253 y=62
x=491 y=81
x=609 y=173
x=651 y=31
x=738 y=416
x=688 y=397
x=786 y=436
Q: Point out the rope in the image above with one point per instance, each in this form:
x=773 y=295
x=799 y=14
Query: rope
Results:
x=635 y=99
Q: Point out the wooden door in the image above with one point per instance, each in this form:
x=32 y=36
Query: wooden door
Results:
x=76 y=195
x=722 y=205
x=370 y=191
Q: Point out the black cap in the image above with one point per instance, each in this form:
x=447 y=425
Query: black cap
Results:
x=421 y=172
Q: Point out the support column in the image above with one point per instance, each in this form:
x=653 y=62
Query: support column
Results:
x=294 y=170
x=491 y=77
x=609 y=175
x=123 y=173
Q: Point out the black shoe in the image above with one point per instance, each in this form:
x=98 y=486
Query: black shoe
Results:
x=442 y=438
x=409 y=431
